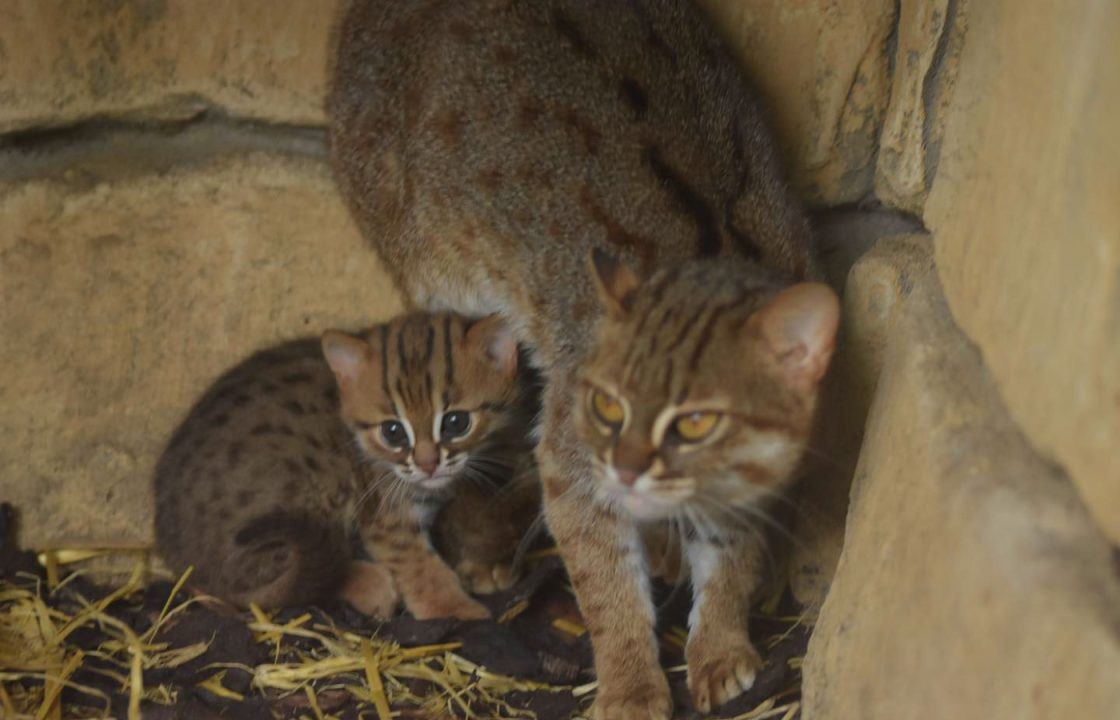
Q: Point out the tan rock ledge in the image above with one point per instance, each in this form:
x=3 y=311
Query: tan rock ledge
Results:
x=972 y=583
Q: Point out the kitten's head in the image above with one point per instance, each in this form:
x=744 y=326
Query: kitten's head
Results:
x=699 y=393
x=428 y=395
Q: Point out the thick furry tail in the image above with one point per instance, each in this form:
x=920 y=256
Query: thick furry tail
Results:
x=285 y=558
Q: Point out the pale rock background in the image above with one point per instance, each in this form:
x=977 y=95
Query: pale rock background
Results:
x=165 y=208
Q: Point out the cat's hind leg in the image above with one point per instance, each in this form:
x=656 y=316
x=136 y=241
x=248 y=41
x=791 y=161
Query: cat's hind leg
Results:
x=283 y=558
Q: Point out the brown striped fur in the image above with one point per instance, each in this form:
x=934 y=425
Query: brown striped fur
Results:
x=487 y=148
x=281 y=462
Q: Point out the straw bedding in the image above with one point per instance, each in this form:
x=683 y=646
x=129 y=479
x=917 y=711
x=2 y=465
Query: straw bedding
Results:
x=145 y=648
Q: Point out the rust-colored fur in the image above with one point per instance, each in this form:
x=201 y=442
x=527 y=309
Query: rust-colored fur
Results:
x=262 y=485
x=487 y=148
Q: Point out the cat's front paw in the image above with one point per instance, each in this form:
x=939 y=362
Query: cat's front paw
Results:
x=370 y=589
x=720 y=670
x=447 y=603
x=649 y=700
x=483 y=578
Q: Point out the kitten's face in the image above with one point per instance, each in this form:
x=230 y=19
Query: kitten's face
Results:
x=698 y=397
x=427 y=395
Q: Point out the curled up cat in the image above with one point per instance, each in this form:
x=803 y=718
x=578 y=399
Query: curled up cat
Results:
x=291 y=453
x=601 y=174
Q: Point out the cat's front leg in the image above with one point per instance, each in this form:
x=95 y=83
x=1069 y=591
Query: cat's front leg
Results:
x=429 y=588
x=480 y=530
x=722 y=662
x=602 y=553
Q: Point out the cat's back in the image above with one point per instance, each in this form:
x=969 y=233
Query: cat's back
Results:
x=264 y=435
x=506 y=137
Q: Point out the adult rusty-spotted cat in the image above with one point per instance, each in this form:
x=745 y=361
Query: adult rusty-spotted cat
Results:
x=490 y=149
x=261 y=486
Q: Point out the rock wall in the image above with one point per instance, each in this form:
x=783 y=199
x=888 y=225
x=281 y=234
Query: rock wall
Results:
x=973 y=583
x=1025 y=210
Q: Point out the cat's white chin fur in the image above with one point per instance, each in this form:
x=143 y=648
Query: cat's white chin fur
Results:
x=644 y=507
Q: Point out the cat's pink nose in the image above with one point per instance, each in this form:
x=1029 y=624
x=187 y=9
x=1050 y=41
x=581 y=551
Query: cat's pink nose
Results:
x=627 y=476
x=426 y=456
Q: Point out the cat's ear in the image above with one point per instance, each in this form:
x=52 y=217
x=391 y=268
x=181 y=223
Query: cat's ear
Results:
x=347 y=355
x=616 y=280
x=493 y=336
x=798 y=327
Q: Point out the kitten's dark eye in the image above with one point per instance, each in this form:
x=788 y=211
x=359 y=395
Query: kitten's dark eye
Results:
x=455 y=424
x=394 y=434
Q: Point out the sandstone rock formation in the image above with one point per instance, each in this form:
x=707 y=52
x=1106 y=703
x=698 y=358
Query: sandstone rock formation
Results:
x=1025 y=210
x=973 y=583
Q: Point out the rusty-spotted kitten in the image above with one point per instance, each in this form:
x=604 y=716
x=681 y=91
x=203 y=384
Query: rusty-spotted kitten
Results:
x=487 y=149
x=262 y=485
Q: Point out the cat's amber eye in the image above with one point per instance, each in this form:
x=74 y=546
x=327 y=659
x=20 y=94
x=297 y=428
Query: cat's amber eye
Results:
x=393 y=434
x=607 y=409
x=696 y=426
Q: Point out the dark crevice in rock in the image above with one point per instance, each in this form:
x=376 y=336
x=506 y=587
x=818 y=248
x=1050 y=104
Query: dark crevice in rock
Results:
x=931 y=87
x=891 y=43
x=124 y=147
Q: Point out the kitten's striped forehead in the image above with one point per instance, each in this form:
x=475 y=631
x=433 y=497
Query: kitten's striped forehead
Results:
x=418 y=365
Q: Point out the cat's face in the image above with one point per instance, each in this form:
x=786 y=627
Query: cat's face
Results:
x=428 y=395
x=699 y=394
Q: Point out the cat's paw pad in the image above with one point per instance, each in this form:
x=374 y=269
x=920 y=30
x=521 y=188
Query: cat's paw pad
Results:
x=370 y=589
x=640 y=701
x=719 y=677
x=485 y=578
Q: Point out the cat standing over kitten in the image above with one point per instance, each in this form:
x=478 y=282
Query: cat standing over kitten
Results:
x=260 y=487
x=599 y=173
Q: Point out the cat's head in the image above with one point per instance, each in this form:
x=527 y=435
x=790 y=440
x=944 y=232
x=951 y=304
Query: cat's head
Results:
x=699 y=393
x=428 y=395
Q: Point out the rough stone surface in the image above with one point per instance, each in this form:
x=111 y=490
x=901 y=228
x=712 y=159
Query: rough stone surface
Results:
x=872 y=289
x=63 y=61
x=972 y=582
x=125 y=288
x=926 y=58
x=1026 y=217
x=823 y=69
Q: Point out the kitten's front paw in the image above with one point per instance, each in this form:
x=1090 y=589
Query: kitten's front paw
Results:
x=447 y=604
x=369 y=587
x=648 y=700
x=483 y=578
x=720 y=670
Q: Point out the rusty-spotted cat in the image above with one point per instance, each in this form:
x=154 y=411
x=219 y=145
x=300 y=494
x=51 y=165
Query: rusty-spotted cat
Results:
x=600 y=174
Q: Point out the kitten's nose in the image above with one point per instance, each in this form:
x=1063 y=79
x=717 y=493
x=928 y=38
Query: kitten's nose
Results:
x=426 y=456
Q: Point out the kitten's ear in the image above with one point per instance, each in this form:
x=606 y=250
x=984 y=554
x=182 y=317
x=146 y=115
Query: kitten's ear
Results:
x=617 y=281
x=493 y=336
x=347 y=355
x=798 y=326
